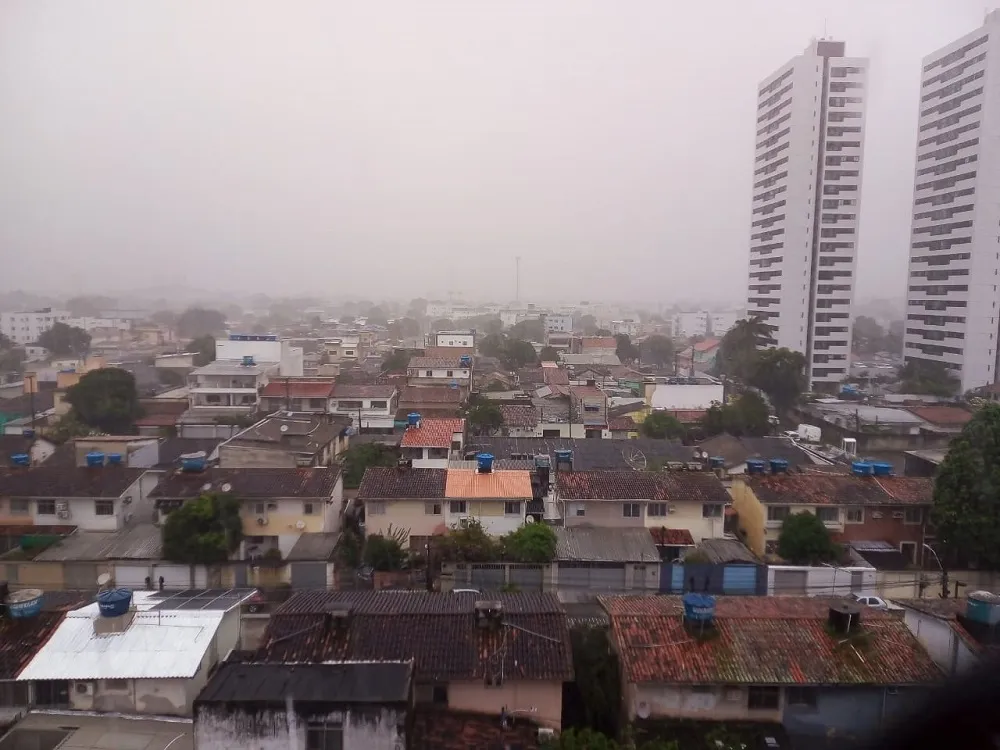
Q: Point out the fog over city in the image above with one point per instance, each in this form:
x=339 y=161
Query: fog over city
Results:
x=415 y=148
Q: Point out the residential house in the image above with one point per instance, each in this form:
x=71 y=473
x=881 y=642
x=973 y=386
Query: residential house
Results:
x=371 y=407
x=690 y=500
x=263 y=348
x=344 y=349
x=225 y=387
x=699 y=357
x=818 y=667
x=558 y=323
x=520 y=420
x=497 y=499
x=404 y=498
x=594 y=345
x=441 y=371
x=942 y=419
x=36 y=448
x=304 y=395
x=429 y=401
x=431 y=442
x=160 y=415
x=490 y=657
x=952 y=629
x=683 y=394
x=284 y=440
x=94 y=498
x=348 y=705
x=152 y=658
x=605 y=559
x=133 y=451
x=278 y=506
x=854 y=508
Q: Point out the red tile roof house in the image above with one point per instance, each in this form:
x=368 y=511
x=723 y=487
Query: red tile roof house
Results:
x=515 y=655
x=854 y=508
x=788 y=660
x=297 y=394
x=686 y=500
x=373 y=406
x=432 y=442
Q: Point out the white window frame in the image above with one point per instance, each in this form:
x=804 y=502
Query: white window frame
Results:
x=309 y=509
x=656 y=510
x=854 y=509
x=376 y=508
x=776 y=518
x=627 y=507
x=432 y=509
x=512 y=508
x=458 y=508
x=102 y=504
x=836 y=510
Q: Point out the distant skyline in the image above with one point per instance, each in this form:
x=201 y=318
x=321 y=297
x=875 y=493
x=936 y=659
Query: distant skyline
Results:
x=337 y=148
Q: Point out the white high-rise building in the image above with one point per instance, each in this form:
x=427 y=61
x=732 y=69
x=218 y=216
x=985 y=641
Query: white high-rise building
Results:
x=806 y=200
x=952 y=304
x=26 y=326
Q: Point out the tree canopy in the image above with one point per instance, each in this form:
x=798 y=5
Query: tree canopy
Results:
x=64 y=341
x=928 y=377
x=747 y=414
x=396 y=361
x=86 y=306
x=780 y=373
x=404 y=328
x=484 y=417
x=532 y=329
x=356 y=459
x=548 y=354
x=198 y=321
x=204 y=348
x=661 y=425
x=870 y=337
x=203 y=531
x=385 y=551
x=625 y=350
x=105 y=399
x=376 y=316
x=587 y=324
x=805 y=540
x=531 y=543
x=738 y=348
x=657 y=350
x=966 y=510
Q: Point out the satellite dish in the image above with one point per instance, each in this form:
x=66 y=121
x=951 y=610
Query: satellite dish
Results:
x=300 y=525
x=635 y=458
x=206 y=487
x=529 y=519
x=642 y=710
x=284 y=428
x=226 y=487
x=103 y=579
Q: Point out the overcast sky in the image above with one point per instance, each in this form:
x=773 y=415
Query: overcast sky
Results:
x=415 y=147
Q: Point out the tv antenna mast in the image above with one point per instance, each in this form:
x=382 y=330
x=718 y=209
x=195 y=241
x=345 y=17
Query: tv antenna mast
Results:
x=635 y=458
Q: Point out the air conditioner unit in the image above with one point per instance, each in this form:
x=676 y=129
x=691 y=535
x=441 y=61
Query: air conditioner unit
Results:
x=62 y=505
x=877 y=514
x=262 y=520
x=546 y=733
x=671 y=509
x=62 y=514
x=897 y=514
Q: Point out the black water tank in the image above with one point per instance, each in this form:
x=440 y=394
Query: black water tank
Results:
x=845 y=617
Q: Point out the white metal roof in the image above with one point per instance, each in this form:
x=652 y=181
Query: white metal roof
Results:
x=155 y=645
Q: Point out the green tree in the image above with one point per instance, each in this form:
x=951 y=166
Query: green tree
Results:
x=661 y=425
x=548 y=354
x=780 y=373
x=484 y=417
x=531 y=543
x=586 y=324
x=966 y=510
x=203 y=531
x=804 y=540
x=376 y=316
x=625 y=350
x=737 y=353
x=603 y=332
x=6 y=343
x=385 y=551
x=198 y=321
x=657 y=350
x=67 y=427
x=492 y=345
x=204 y=348
x=63 y=340
x=518 y=354
x=105 y=399
x=417 y=308
x=470 y=543
x=746 y=415
x=532 y=329
x=597 y=687
x=397 y=361
x=356 y=460
x=928 y=377
x=404 y=328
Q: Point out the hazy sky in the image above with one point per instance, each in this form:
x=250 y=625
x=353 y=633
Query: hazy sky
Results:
x=415 y=147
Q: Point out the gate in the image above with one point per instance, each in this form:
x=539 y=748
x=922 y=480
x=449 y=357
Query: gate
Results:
x=527 y=577
x=739 y=579
x=488 y=576
x=309 y=575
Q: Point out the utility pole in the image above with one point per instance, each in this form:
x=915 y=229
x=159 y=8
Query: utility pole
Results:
x=517 y=279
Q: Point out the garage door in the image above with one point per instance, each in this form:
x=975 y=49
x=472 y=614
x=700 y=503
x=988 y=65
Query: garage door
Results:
x=175 y=577
x=790 y=582
x=488 y=576
x=608 y=578
x=201 y=577
x=131 y=576
x=739 y=579
x=574 y=576
x=309 y=575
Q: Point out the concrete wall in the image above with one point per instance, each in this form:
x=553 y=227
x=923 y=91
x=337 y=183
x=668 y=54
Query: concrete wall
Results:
x=538 y=700
x=156 y=697
x=409 y=515
x=685 y=701
x=241 y=457
x=936 y=635
x=214 y=730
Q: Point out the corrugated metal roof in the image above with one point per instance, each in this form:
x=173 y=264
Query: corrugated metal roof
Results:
x=155 y=645
x=142 y=542
x=496 y=484
x=605 y=545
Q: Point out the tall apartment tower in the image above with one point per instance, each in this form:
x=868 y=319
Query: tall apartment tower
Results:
x=806 y=200
x=952 y=302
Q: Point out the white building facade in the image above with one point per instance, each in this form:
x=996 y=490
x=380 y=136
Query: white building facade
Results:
x=805 y=207
x=26 y=326
x=952 y=298
x=688 y=324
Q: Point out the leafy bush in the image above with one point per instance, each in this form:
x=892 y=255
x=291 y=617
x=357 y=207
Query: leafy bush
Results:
x=532 y=543
x=203 y=531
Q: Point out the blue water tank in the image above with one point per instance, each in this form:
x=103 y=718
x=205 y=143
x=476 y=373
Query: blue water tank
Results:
x=563 y=455
x=755 y=466
x=779 y=466
x=193 y=461
x=413 y=419
x=882 y=469
x=465 y=360
x=20 y=459
x=28 y=433
x=983 y=607
x=114 y=603
x=248 y=360
x=717 y=462
x=114 y=459
x=484 y=462
x=95 y=458
x=699 y=607
x=25 y=603
x=861 y=469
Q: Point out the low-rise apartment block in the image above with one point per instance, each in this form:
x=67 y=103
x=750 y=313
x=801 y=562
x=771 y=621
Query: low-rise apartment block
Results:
x=370 y=407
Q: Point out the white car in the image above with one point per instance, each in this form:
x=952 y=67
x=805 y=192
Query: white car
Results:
x=875 y=602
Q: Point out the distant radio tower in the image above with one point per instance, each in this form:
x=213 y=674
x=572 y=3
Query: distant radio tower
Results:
x=517 y=279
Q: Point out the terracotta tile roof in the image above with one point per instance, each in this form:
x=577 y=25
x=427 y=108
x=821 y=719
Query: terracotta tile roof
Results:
x=762 y=641
x=554 y=376
x=665 y=486
x=468 y=483
x=664 y=537
x=531 y=376
x=436 y=630
x=519 y=415
x=707 y=345
x=618 y=424
x=840 y=489
x=436 y=363
x=443 y=729
x=298 y=388
x=67 y=481
x=247 y=484
x=388 y=483
x=432 y=433
x=430 y=394
x=951 y=416
x=364 y=391
x=598 y=342
x=157 y=420
x=587 y=391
